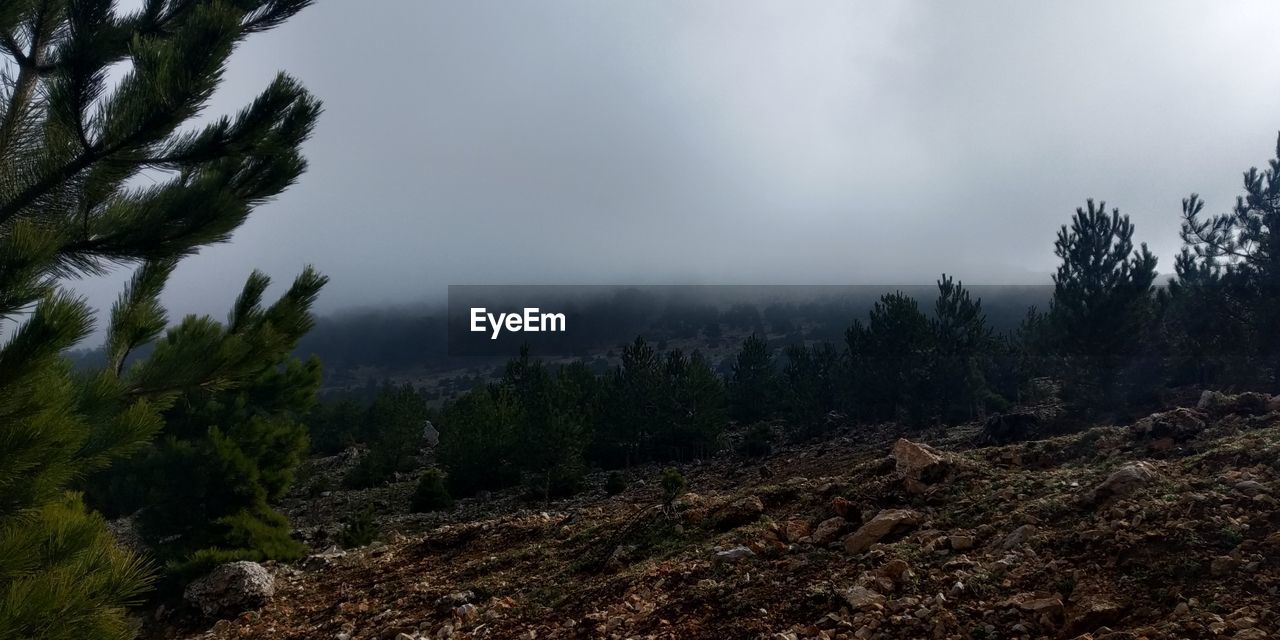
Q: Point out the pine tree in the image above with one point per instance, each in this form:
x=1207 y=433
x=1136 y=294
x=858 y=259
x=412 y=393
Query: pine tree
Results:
x=962 y=344
x=753 y=387
x=888 y=359
x=236 y=448
x=72 y=140
x=1228 y=285
x=1102 y=304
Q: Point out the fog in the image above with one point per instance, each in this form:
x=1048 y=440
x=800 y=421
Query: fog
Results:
x=584 y=142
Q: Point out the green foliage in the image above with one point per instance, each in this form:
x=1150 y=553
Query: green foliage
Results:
x=395 y=423
x=235 y=448
x=431 y=493
x=1225 y=303
x=962 y=344
x=888 y=360
x=811 y=380
x=1102 y=306
x=335 y=426
x=758 y=442
x=478 y=441
x=73 y=139
x=673 y=485
x=657 y=407
x=359 y=530
x=753 y=386
x=615 y=483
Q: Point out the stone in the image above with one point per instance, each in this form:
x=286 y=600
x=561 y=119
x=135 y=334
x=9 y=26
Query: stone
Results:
x=1248 y=403
x=795 y=530
x=735 y=554
x=231 y=588
x=827 y=531
x=919 y=462
x=739 y=512
x=1018 y=537
x=861 y=598
x=1124 y=481
x=1169 y=427
x=885 y=523
x=844 y=508
x=1006 y=428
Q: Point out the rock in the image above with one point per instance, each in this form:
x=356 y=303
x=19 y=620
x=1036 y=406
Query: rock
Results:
x=430 y=435
x=466 y=613
x=844 y=508
x=231 y=588
x=827 y=531
x=1169 y=427
x=1248 y=403
x=795 y=530
x=739 y=512
x=1006 y=428
x=1093 y=612
x=919 y=462
x=885 y=523
x=454 y=600
x=735 y=554
x=1223 y=565
x=862 y=598
x=1125 y=481
x=896 y=570
x=1018 y=537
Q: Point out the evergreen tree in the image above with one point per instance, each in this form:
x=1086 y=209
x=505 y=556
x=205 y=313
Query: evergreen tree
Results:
x=810 y=386
x=962 y=343
x=693 y=414
x=395 y=420
x=478 y=441
x=1102 y=305
x=888 y=360
x=753 y=387
x=1228 y=284
x=72 y=139
x=631 y=407
x=234 y=448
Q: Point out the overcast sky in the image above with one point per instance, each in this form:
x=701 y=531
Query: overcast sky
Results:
x=736 y=142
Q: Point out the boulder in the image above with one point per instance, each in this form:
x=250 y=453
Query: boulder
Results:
x=862 y=598
x=919 y=462
x=1177 y=425
x=1249 y=403
x=827 y=531
x=1005 y=428
x=795 y=530
x=1125 y=481
x=884 y=524
x=231 y=589
x=739 y=512
x=1018 y=537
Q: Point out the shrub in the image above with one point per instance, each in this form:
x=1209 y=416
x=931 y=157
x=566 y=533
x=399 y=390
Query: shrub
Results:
x=673 y=484
x=431 y=493
x=359 y=530
x=615 y=483
x=758 y=442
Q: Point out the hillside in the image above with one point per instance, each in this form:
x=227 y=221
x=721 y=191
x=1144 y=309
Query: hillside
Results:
x=1166 y=528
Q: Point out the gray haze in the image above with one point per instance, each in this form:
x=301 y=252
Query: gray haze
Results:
x=737 y=142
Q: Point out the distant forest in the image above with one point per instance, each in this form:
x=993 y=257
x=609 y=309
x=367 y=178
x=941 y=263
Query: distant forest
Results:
x=361 y=346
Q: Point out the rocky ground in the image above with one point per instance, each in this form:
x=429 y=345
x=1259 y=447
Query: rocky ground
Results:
x=1165 y=528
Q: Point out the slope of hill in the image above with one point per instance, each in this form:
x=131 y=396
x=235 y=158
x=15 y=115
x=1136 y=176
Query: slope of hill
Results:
x=1166 y=528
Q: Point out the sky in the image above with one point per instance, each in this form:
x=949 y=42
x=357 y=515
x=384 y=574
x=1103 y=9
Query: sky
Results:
x=744 y=142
